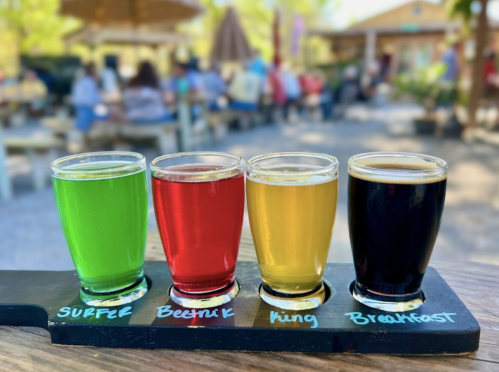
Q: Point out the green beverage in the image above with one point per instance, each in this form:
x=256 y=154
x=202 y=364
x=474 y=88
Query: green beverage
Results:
x=102 y=204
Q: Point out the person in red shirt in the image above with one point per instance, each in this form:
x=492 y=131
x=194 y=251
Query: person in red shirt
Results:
x=277 y=86
x=312 y=86
x=490 y=73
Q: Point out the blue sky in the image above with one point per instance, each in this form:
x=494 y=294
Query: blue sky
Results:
x=350 y=11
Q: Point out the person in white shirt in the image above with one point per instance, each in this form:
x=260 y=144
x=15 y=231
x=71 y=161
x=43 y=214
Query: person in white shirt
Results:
x=85 y=96
x=109 y=80
x=244 y=90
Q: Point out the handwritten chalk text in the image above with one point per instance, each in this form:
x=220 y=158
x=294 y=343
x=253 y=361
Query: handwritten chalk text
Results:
x=295 y=318
x=165 y=312
x=361 y=319
x=76 y=312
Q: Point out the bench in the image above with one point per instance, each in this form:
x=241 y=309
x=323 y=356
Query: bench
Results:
x=164 y=133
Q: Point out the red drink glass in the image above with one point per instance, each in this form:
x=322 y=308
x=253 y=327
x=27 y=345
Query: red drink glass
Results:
x=199 y=205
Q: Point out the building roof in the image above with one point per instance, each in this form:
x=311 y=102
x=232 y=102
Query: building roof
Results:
x=416 y=12
x=414 y=17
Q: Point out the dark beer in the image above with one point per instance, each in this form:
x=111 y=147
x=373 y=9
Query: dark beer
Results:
x=395 y=206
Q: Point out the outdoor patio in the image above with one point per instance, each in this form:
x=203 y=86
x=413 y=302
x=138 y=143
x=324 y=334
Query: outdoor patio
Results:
x=32 y=237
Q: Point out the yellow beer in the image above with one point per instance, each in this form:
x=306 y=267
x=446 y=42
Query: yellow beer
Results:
x=292 y=217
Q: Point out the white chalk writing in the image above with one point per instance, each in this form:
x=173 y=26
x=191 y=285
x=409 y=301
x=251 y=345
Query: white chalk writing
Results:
x=77 y=312
x=295 y=318
x=165 y=312
x=359 y=318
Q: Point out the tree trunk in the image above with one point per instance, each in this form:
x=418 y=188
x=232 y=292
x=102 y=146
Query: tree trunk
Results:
x=481 y=32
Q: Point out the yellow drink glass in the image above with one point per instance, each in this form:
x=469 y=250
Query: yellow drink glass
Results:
x=292 y=201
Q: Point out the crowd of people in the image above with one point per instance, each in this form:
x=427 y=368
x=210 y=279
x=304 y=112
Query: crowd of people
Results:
x=147 y=99
x=253 y=87
x=285 y=92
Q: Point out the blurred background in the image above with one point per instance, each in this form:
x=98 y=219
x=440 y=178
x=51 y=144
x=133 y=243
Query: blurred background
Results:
x=249 y=77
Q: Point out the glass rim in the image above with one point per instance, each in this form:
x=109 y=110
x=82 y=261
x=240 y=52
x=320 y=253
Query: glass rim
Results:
x=250 y=164
x=439 y=171
x=56 y=165
x=229 y=168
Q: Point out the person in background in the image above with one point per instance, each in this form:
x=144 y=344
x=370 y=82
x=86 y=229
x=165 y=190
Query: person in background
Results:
x=213 y=87
x=349 y=89
x=109 y=79
x=386 y=63
x=244 y=90
x=185 y=81
x=257 y=65
x=277 y=88
x=144 y=99
x=490 y=76
x=328 y=96
x=370 y=80
x=33 y=87
x=312 y=85
x=85 y=96
x=34 y=92
x=451 y=61
x=292 y=90
x=110 y=84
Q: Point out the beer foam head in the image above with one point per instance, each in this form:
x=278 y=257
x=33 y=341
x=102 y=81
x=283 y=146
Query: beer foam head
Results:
x=291 y=175
x=292 y=169
x=197 y=173
x=98 y=165
x=197 y=166
x=397 y=167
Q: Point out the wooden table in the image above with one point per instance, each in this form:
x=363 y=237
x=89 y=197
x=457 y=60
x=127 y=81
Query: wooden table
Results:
x=29 y=349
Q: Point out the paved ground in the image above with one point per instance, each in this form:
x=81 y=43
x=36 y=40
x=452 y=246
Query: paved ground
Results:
x=31 y=237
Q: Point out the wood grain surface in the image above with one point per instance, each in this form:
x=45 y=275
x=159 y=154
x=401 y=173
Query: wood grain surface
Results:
x=29 y=349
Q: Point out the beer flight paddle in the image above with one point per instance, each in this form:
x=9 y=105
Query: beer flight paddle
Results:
x=291 y=300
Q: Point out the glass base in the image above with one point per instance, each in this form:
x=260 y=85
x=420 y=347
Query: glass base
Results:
x=205 y=300
x=302 y=301
x=116 y=298
x=392 y=303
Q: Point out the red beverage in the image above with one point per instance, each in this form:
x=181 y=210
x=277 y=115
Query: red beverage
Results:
x=200 y=220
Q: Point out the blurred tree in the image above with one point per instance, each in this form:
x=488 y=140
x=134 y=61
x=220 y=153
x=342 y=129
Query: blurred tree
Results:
x=36 y=25
x=463 y=9
x=32 y=27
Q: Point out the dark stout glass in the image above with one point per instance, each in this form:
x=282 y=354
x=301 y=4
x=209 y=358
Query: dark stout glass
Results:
x=395 y=206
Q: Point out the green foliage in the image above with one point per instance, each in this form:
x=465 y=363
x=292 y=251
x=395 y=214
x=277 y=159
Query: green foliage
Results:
x=426 y=86
x=461 y=10
x=257 y=17
x=36 y=24
x=31 y=27
x=34 y=27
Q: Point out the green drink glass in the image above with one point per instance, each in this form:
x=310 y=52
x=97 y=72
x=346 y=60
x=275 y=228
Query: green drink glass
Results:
x=102 y=203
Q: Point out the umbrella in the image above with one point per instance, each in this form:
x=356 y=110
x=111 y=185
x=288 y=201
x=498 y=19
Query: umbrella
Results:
x=114 y=35
x=276 y=38
x=134 y=12
x=230 y=42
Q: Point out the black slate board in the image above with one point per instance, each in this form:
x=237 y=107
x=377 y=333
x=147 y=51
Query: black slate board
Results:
x=50 y=299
